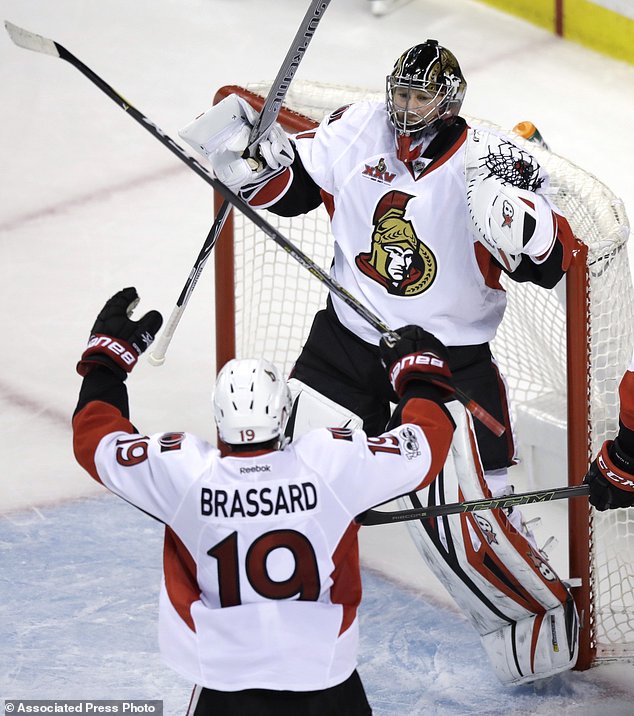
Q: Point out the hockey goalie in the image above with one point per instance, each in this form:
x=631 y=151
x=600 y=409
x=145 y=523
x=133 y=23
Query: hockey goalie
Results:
x=426 y=214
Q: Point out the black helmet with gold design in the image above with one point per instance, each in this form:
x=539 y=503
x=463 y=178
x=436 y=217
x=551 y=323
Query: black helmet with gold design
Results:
x=425 y=88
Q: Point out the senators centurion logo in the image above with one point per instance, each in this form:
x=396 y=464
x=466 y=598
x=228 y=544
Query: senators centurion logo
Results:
x=398 y=259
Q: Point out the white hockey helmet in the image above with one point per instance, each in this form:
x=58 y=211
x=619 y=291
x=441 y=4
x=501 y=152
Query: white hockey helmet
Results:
x=251 y=401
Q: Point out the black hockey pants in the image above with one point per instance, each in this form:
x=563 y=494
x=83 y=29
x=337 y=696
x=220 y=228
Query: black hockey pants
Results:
x=341 y=366
x=345 y=699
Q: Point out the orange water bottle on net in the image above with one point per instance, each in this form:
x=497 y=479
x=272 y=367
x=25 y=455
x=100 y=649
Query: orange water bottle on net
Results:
x=529 y=131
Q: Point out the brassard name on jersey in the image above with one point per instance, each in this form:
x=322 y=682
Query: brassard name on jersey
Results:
x=258 y=501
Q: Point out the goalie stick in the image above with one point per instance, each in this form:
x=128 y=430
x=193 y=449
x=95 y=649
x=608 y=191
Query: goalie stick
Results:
x=267 y=116
x=379 y=517
x=30 y=41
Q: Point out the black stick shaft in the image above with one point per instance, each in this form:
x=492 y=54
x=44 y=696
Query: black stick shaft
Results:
x=378 y=517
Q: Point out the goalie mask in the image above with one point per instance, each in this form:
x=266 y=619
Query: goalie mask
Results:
x=251 y=402
x=424 y=90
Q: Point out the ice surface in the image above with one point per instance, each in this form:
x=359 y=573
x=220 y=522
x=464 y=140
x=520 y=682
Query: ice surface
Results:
x=78 y=620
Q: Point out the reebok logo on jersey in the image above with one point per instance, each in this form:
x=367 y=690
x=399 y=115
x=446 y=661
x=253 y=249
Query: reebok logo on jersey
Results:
x=255 y=468
x=379 y=172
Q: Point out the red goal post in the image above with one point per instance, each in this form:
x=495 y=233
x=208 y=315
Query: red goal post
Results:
x=562 y=351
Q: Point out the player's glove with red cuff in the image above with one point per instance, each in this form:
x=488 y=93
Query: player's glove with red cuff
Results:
x=418 y=355
x=611 y=478
x=116 y=341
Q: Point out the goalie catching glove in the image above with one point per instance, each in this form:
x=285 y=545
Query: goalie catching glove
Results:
x=116 y=341
x=611 y=478
x=222 y=136
x=507 y=214
x=417 y=356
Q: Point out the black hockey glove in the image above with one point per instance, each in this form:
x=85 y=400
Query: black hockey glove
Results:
x=417 y=356
x=611 y=478
x=116 y=341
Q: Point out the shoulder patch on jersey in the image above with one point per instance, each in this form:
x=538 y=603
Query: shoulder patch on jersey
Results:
x=379 y=172
x=338 y=113
x=341 y=433
x=306 y=135
x=171 y=441
x=409 y=441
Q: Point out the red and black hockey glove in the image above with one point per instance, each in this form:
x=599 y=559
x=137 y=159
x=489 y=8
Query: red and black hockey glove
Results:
x=116 y=341
x=611 y=478
x=417 y=356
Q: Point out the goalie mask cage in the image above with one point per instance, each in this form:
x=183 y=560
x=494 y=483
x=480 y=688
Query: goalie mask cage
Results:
x=562 y=352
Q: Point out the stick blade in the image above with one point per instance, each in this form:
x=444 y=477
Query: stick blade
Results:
x=31 y=41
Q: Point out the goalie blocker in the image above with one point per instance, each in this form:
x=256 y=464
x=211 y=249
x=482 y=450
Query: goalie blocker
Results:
x=221 y=135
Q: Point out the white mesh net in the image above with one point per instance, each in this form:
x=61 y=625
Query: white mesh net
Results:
x=276 y=300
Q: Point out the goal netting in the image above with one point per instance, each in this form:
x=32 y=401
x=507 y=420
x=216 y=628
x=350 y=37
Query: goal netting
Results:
x=562 y=351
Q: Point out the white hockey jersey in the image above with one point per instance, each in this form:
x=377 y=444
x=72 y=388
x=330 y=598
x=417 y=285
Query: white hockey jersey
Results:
x=261 y=568
x=404 y=246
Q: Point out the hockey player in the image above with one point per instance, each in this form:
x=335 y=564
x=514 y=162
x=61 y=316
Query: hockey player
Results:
x=261 y=585
x=611 y=475
x=426 y=212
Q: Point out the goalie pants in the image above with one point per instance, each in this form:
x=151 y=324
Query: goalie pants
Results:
x=345 y=699
x=346 y=369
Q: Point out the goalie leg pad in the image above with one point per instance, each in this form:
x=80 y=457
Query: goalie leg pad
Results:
x=313 y=410
x=495 y=575
x=497 y=482
x=535 y=647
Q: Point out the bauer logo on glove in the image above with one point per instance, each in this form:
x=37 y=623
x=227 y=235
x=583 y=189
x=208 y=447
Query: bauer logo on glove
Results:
x=116 y=341
x=122 y=354
x=417 y=355
x=413 y=363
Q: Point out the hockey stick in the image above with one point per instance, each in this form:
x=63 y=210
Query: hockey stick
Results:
x=267 y=116
x=378 y=517
x=31 y=41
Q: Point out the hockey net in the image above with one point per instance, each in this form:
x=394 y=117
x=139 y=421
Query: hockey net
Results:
x=562 y=351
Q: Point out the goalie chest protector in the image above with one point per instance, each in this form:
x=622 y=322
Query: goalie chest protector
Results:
x=403 y=241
